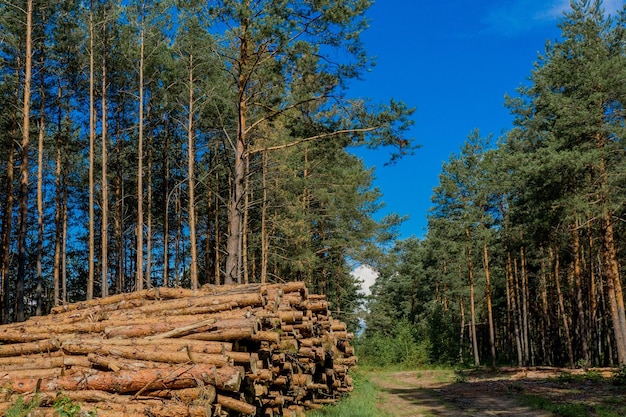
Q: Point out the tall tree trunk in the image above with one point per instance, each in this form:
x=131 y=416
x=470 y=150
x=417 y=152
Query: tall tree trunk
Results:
x=58 y=211
x=149 y=239
x=462 y=332
x=233 y=246
x=139 y=278
x=546 y=323
x=92 y=137
x=40 y=220
x=179 y=228
x=64 y=241
x=25 y=146
x=470 y=269
x=563 y=312
x=104 y=261
x=581 y=328
x=216 y=226
x=7 y=221
x=264 y=232
x=191 y=162
x=492 y=330
x=166 y=216
x=514 y=308
x=119 y=216
x=614 y=289
x=595 y=291
x=244 y=228
x=524 y=305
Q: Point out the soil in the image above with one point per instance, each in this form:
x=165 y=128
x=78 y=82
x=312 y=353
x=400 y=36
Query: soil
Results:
x=441 y=393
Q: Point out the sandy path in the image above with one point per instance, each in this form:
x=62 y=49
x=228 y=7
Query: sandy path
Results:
x=435 y=393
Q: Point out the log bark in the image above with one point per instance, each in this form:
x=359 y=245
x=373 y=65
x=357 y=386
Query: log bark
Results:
x=170 y=377
x=147 y=353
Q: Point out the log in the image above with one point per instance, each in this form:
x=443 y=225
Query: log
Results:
x=222 y=335
x=170 y=377
x=267 y=336
x=45 y=363
x=10 y=360
x=226 y=302
x=17 y=349
x=151 y=326
x=146 y=353
x=175 y=344
x=236 y=405
x=206 y=394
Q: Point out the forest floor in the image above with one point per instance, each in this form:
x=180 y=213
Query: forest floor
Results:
x=512 y=393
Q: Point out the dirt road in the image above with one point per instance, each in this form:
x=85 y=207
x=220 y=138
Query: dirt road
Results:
x=439 y=393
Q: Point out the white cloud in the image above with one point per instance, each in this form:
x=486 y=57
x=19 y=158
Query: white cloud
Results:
x=557 y=8
x=367 y=276
x=517 y=16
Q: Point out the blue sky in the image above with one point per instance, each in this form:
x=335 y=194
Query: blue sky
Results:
x=453 y=60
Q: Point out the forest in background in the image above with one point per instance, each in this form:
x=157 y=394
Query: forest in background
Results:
x=523 y=262
x=179 y=143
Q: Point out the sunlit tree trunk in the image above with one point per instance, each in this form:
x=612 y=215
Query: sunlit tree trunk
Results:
x=25 y=147
x=104 y=261
x=264 y=231
x=218 y=237
x=244 y=228
x=470 y=270
x=40 y=214
x=462 y=332
x=92 y=137
x=191 y=161
x=139 y=277
x=58 y=216
x=614 y=289
x=488 y=295
x=149 y=237
x=166 y=216
x=236 y=200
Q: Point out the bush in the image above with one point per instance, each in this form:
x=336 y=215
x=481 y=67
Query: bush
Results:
x=401 y=348
x=619 y=377
x=443 y=337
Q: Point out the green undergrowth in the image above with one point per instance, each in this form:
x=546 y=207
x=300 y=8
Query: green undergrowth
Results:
x=21 y=408
x=570 y=409
x=63 y=406
x=607 y=403
x=360 y=403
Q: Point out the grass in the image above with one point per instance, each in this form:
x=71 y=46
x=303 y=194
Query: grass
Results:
x=21 y=408
x=360 y=403
x=564 y=410
x=573 y=409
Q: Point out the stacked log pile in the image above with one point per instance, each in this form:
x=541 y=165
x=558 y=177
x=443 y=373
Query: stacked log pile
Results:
x=257 y=350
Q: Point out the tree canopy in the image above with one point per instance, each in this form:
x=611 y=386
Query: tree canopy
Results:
x=523 y=252
x=185 y=143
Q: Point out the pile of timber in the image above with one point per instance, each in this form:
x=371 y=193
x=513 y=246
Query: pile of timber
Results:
x=245 y=350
